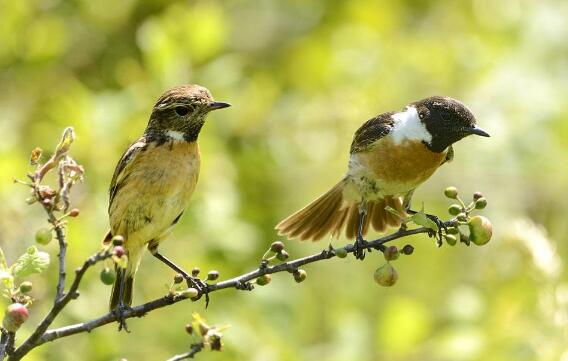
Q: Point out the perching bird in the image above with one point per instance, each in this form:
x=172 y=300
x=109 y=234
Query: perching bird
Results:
x=154 y=180
x=391 y=154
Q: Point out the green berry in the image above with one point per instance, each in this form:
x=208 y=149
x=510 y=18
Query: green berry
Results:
x=43 y=236
x=462 y=217
x=453 y=230
x=407 y=250
x=481 y=203
x=190 y=293
x=178 y=278
x=451 y=192
x=300 y=275
x=341 y=252
x=212 y=275
x=277 y=247
x=386 y=275
x=451 y=239
x=189 y=328
x=195 y=271
x=391 y=253
x=282 y=255
x=107 y=276
x=263 y=280
x=480 y=230
x=454 y=209
x=25 y=287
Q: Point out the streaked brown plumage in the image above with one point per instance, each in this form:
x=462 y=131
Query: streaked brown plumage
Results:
x=390 y=156
x=155 y=178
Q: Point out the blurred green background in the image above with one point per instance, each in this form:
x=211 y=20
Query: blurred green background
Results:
x=302 y=76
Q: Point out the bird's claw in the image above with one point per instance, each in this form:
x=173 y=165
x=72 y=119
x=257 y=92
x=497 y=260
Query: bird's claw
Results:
x=201 y=287
x=441 y=226
x=359 y=248
x=120 y=310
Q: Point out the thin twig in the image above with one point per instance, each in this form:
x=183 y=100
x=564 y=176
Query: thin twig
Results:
x=195 y=348
x=239 y=282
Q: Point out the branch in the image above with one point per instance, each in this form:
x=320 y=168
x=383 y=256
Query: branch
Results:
x=242 y=282
x=195 y=348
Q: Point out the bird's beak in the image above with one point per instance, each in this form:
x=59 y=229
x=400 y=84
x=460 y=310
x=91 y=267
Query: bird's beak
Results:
x=477 y=131
x=218 y=105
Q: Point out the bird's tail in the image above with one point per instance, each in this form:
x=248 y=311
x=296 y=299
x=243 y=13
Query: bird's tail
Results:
x=331 y=213
x=128 y=279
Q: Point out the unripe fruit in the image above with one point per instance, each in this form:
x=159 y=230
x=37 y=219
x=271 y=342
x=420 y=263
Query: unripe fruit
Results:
x=43 y=236
x=480 y=230
x=277 y=247
x=453 y=230
x=282 y=255
x=190 y=293
x=341 y=252
x=391 y=253
x=481 y=203
x=263 y=280
x=462 y=217
x=25 y=287
x=117 y=241
x=386 y=275
x=454 y=209
x=119 y=251
x=195 y=271
x=451 y=192
x=74 y=212
x=107 y=276
x=178 y=278
x=16 y=314
x=300 y=275
x=189 y=328
x=451 y=239
x=477 y=195
x=212 y=275
x=408 y=250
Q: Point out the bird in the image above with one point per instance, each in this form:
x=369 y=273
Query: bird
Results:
x=154 y=181
x=390 y=156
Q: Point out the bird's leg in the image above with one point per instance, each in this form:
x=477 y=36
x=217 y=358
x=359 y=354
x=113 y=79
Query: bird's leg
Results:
x=121 y=307
x=441 y=225
x=192 y=282
x=359 y=244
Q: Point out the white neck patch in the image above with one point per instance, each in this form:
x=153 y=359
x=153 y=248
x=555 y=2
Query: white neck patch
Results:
x=175 y=135
x=408 y=126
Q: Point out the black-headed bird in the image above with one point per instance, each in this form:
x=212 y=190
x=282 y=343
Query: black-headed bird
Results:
x=391 y=154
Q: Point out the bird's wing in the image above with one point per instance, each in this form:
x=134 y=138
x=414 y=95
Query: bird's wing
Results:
x=372 y=130
x=120 y=175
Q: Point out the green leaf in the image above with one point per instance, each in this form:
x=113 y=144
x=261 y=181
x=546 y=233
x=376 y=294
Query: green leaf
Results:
x=421 y=219
x=66 y=140
x=33 y=261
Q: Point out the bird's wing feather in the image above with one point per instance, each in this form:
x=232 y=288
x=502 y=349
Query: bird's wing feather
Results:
x=120 y=175
x=372 y=130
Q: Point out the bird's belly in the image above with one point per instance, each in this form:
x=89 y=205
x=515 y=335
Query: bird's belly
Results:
x=155 y=193
x=389 y=169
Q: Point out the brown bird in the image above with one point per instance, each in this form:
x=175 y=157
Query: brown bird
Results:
x=391 y=154
x=154 y=180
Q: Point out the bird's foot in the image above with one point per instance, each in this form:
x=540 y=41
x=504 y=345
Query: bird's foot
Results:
x=201 y=287
x=359 y=248
x=119 y=311
x=441 y=226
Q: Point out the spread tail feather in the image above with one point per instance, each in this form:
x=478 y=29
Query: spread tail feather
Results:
x=128 y=280
x=330 y=213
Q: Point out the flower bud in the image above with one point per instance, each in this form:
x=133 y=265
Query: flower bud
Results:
x=178 y=278
x=189 y=293
x=195 y=271
x=282 y=256
x=277 y=247
x=16 y=314
x=263 y=280
x=74 y=212
x=451 y=192
x=391 y=253
x=25 y=287
x=407 y=250
x=43 y=236
x=107 y=276
x=480 y=230
x=212 y=275
x=300 y=275
x=477 y=195
x=451 y=239
x=481 y=203
x=119 y=251
x=341 y=252
x=386 y=275
x=454 y=209
x=117 y=240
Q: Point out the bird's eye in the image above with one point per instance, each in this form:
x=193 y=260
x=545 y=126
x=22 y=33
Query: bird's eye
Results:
x=181 y=110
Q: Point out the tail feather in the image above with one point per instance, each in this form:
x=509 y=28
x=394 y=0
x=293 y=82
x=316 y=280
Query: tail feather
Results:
x=127 y=292
x=330 y=213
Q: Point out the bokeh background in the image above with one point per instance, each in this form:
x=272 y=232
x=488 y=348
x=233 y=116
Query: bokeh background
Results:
x=302 y=76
